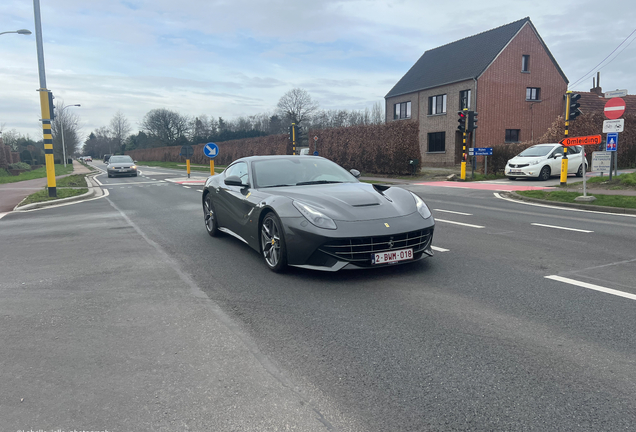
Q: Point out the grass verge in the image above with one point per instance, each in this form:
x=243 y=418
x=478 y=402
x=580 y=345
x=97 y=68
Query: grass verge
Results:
x=5 y=177
x=623 y=180
x=182 y=166
x=43 y=195
x=620 y=201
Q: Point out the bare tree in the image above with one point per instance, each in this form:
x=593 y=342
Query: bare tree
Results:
x=120 y=129
x=67 y=122
x=377 y=113
x=296 y=105
x=167 y=127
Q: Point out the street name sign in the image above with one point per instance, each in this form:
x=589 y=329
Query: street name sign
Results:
x=615 y=93
x=614 y=108
x=211 y=150
x=584 y=140
x=601 y=161
x=613 y=125
x=612 y=141
x=480 y=151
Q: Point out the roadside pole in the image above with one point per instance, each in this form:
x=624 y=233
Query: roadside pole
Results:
x=211 y=150
x=463 y=126
x=46 y=101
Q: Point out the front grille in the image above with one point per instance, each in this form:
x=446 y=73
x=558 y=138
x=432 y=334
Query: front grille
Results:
x=359 y=249
x=518 y=165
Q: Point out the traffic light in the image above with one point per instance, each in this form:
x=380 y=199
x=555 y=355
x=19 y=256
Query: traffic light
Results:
x=462 y=121
x=472 y=121
x=51 y=107
x=574 y=106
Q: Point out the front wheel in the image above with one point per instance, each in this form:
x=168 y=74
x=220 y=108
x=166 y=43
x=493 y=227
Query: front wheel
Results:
x=545 y=173
x=209 y=217
x=273 y=245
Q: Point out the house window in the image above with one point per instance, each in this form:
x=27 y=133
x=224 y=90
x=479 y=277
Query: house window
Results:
x=464 y=99
x=437 y=142
x=525 y=63
x=533 y=93
x=437 y=105
x=402 y=111
x=512 y=135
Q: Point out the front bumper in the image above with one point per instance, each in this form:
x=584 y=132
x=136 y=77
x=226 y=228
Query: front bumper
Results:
x=526 y=171
x=121 y=171
x=351 y=245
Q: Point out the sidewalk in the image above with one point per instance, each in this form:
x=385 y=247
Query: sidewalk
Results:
x=11 y=194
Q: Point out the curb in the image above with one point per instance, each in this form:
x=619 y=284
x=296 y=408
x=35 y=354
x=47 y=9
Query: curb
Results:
x=92 y=190
x=605 y=209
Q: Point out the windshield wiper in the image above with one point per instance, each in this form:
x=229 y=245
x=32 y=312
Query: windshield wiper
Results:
x=317 y=182
x=280 y=185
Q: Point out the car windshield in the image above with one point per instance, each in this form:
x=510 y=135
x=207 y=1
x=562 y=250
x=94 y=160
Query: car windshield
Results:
x=120 y=159
x=536 y=151
x=299 y=171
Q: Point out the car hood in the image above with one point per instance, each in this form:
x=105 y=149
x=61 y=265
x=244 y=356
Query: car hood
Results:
x=526 y=160
x=352 y=201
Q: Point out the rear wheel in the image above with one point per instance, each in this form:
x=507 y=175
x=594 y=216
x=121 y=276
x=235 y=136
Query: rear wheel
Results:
x=273 y=245
x=545 y=173
x=209 y=217
x=579 y=172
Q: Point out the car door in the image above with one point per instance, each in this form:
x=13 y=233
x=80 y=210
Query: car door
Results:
x=574 y=159
x=233 y=207
x=554 y=160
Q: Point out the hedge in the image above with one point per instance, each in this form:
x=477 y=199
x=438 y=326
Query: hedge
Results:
x=381 y=149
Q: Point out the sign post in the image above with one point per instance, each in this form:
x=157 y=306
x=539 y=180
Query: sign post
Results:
x=211 y=150
x=614 y=109
x=187 y=152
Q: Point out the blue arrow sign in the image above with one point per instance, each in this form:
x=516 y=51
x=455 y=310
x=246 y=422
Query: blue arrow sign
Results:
x=480 y=151
x=211 y=150
x=612 y=141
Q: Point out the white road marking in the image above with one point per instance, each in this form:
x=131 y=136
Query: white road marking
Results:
x=563 y=208
x=3 y=214
x=459 y=223
x=199 y=190
x=562 y=228
x=592 y=287
x=187 y=187
x=439 y=249
x=454 y=212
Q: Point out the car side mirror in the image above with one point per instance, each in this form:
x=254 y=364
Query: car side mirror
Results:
x=234 y=181
x=355 y=173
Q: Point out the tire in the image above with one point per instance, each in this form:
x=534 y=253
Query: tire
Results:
x=545 y=173
x=109 y=176
x=209 y=217
x=273 y=247
x=579 y=172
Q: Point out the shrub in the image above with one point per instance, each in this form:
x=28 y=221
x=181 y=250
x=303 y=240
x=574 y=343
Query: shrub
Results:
x=20 y=165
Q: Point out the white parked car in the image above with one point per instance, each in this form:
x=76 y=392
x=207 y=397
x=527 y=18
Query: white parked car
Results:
x=543 y=161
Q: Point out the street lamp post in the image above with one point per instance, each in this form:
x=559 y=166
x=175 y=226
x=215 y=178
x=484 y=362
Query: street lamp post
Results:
x=22 y=31
x=62 y=130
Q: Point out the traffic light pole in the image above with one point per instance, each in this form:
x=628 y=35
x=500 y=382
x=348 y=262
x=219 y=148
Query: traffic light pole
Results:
x=463 y=171
x=564 y=160
x=293 y=128
x=44 y=105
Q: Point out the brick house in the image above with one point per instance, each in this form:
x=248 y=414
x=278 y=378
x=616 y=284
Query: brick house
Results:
x=506 y=74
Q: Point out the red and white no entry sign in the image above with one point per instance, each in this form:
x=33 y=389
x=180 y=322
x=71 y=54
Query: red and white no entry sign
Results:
x=614 y=108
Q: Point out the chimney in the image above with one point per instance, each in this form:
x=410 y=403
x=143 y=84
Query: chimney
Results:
x=596 y=88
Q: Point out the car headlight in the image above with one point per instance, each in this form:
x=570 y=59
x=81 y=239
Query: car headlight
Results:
x=422 y=208
x=134 y=167
x=534 y=162
x=314 y=216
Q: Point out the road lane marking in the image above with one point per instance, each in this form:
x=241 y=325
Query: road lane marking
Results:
x=592 y=286
x=439 y=249
x=199 y=190
x=187 y=187
x=454 y=212
x=560 y=227
x=459 y=223
x=562 y=208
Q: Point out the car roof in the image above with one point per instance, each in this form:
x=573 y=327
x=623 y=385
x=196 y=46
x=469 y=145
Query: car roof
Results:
x=270 y=157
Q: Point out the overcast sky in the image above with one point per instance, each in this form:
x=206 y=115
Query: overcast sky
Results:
x=231 y=58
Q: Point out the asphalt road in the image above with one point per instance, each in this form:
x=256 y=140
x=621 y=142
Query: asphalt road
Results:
x=500 y=330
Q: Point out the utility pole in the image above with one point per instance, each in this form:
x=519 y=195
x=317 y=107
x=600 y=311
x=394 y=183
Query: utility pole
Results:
x=45 y=103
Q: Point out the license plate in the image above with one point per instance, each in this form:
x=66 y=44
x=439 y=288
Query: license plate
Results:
x=516 y=172
x=392 y=256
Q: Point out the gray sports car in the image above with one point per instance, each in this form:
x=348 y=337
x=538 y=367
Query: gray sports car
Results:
x=306 y=211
